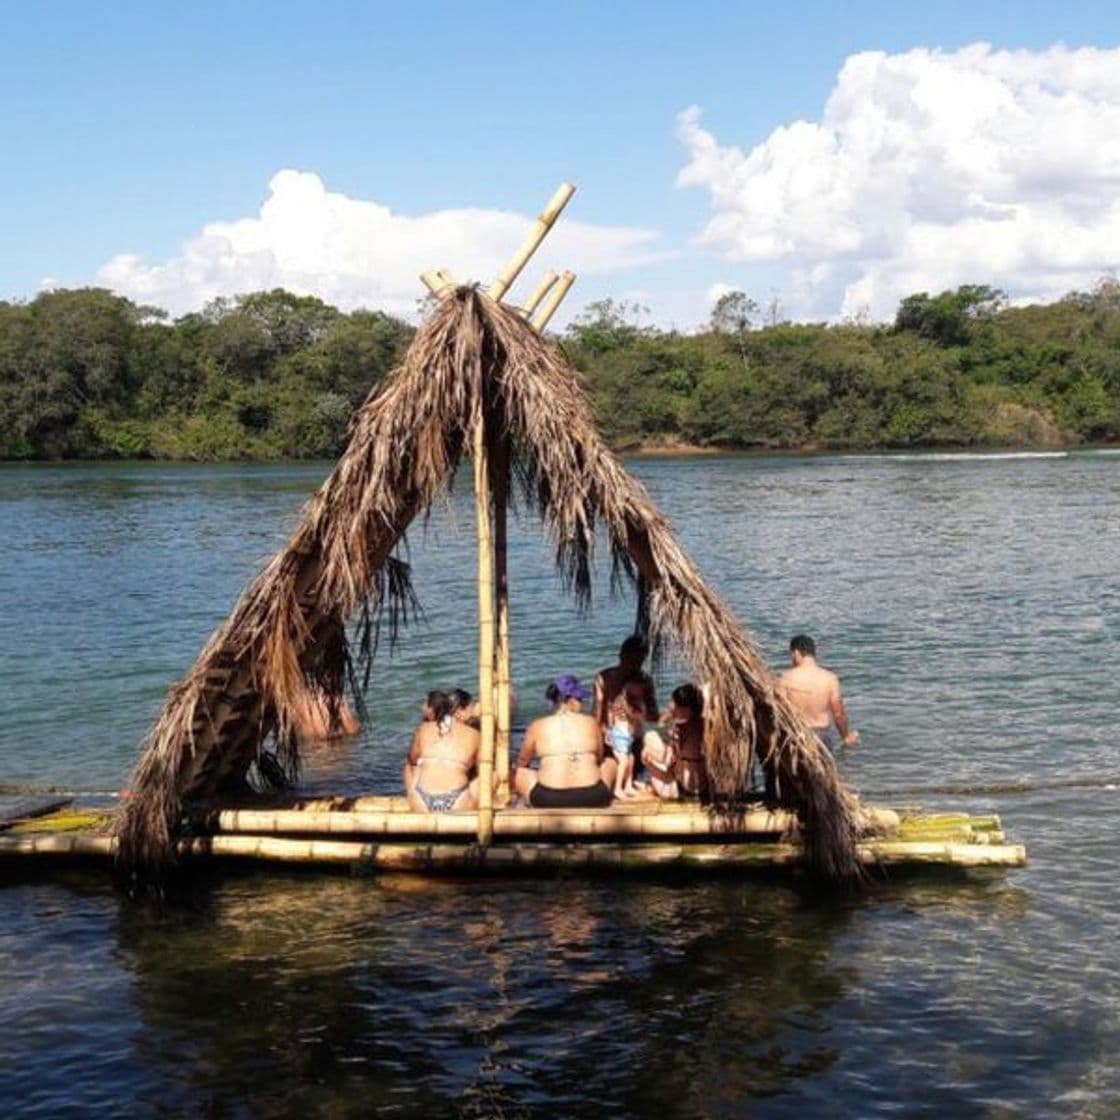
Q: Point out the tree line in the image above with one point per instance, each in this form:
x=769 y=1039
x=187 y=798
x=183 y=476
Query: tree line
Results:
x=88 y=374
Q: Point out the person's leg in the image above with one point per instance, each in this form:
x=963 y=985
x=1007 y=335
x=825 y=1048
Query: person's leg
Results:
x=523 y=781
x=629 y=789
x=608 y=770
x=621 y=772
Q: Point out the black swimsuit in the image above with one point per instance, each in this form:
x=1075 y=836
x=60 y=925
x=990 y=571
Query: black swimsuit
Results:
x=596 y=796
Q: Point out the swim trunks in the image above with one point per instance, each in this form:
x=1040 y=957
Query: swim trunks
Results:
x=828 y=737
x=620 y=739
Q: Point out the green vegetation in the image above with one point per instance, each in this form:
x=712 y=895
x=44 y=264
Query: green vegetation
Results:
x=87 y=374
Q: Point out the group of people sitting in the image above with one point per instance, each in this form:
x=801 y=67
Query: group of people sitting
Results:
x=582 y=760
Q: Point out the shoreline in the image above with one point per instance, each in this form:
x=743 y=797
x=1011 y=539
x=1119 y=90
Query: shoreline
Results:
x=652 y=450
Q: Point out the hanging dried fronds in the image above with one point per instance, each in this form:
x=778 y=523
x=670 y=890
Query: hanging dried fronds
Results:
x=288 y=629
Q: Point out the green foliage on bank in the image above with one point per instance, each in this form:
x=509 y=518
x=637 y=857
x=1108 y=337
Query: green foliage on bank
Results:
x=87 y=374
x=959 y=368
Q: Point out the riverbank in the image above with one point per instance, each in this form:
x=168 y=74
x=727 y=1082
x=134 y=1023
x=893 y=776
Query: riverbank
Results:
x=274 y=377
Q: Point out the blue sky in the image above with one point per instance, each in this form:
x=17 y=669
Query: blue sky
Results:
x=128 y=128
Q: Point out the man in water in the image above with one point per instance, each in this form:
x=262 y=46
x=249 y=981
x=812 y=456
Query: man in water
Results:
x=815 y=691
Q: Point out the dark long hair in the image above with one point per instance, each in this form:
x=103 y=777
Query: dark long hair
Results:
x=690 y=697
x=440 y=705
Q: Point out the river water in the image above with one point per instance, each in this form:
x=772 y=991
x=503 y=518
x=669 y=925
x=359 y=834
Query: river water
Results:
x=971 y=606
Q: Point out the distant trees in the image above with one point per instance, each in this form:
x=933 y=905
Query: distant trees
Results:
x=87 y=373
x=947 y=318
x=734 y=314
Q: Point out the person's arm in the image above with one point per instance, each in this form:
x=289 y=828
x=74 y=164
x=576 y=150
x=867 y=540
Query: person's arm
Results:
x=600 y=704
x=840 y=716
x=651 y=700
x=528 y=748
x=412 y=758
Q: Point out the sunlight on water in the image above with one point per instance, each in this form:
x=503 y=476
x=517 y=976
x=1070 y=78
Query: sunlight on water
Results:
x=971 y=605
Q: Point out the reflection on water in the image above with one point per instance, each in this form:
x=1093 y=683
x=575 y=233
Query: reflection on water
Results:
x=972 y=608
x=563 y=998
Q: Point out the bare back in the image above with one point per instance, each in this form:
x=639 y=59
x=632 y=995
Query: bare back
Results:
x=815 y=691
x=445 y=758
x=568 y=745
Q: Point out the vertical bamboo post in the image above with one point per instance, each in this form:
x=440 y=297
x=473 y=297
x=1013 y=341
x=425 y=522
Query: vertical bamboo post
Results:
x=499 y=482
x=545 y=221
x=542 y=317
x=498 y=743
x=485 y=630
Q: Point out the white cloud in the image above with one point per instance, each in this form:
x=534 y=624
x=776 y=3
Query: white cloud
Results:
x=352 y=252
x=928 y=169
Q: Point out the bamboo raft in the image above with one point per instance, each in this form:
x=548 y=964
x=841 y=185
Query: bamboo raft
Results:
x=480 y=381
x=382 y=835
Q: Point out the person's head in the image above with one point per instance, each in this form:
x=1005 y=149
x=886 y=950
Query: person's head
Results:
x=801 y=646
x=436 y=706
x=462 y=707
x=633 y=652
x=687 y=702
x=566 y=691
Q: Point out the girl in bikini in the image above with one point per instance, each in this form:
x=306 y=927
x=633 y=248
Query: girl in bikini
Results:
x=444 y=752
x=676 y=763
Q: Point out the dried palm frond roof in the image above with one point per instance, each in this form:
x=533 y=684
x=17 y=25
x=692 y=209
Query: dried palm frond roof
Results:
x=288 y=630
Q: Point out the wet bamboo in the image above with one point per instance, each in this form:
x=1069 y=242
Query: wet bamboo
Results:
x=466 y=857
x=550 y=306
x=485 y=630
x=541 y=291
x=545 y=221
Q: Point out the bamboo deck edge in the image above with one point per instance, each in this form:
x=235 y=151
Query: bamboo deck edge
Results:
x=468 y=857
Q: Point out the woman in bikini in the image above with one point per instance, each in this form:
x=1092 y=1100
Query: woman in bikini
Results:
x=444 y=752
x=569 y=747
x=676 y=763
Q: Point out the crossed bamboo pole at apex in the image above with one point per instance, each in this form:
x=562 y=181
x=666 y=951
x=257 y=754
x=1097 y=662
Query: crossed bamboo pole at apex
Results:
x=491 y=491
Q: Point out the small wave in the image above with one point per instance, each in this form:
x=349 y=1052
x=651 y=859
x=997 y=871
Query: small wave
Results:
x=971 y=456
x=20 y=789
x=980 y=789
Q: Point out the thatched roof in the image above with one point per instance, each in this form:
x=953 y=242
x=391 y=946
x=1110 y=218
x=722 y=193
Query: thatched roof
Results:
x=289 y=627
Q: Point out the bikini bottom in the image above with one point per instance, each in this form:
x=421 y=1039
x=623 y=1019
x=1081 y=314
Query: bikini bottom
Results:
x=439 y=802
x=596 y=796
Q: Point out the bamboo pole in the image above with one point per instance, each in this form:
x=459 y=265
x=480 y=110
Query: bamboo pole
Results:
x=499 y=481
x=590 y=824
x=485 y=630
x=545 y=221
x=544 y=315
x=436 y=280
x=873 y=819
x=467 y=857
x=541 y=291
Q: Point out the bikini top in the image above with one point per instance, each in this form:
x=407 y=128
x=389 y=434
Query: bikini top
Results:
x=443 y=730
x=571 y=752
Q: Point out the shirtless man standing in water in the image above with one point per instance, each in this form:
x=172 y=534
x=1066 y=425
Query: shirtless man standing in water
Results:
x=815 y=691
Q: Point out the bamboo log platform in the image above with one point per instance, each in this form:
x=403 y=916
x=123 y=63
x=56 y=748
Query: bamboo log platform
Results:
x=366 y=855
x=623 y=839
